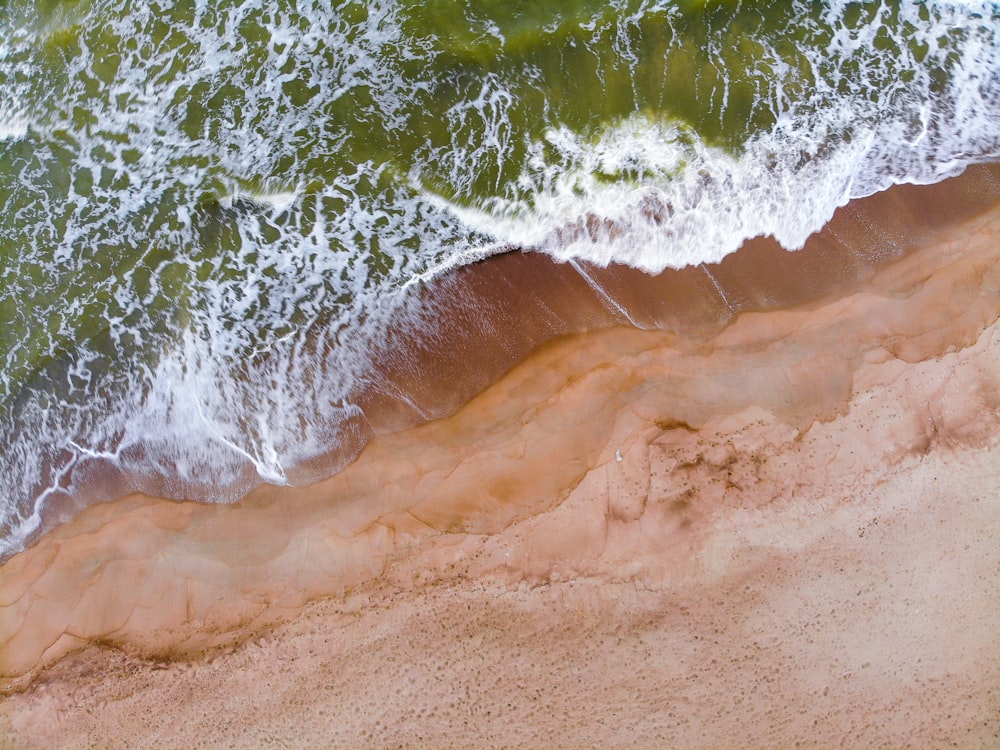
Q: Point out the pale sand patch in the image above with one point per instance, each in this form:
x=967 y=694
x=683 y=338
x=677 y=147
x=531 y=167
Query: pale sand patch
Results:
x=744 y=576
x=853 y=610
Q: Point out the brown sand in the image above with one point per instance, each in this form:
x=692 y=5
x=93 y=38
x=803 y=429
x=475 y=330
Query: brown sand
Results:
x=783 y=530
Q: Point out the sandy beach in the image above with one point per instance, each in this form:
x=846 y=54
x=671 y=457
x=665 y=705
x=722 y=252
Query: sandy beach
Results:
x=765 y=517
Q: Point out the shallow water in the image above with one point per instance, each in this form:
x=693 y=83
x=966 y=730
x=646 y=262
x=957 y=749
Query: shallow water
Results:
x=215 y=213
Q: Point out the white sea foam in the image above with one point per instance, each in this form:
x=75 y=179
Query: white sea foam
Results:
x=651 y=194
x=693 y=204
x=13 y=127
x=276 y=203
x=14 y=122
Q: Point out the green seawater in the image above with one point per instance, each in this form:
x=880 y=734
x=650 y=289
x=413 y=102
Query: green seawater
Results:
x=191 y=191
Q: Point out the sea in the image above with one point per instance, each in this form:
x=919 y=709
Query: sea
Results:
x=216 y=215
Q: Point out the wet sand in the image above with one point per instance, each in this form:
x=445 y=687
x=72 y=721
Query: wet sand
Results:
x=771 y=520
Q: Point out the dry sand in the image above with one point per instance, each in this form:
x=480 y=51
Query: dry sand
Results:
x=784 y=532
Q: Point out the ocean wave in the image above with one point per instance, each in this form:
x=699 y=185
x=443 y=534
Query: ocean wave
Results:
x=916 y=105
x=215 y=214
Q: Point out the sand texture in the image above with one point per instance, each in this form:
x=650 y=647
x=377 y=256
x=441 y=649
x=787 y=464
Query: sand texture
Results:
x=774 y=528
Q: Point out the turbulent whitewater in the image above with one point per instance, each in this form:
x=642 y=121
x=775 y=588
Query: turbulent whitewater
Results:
x=213 y=212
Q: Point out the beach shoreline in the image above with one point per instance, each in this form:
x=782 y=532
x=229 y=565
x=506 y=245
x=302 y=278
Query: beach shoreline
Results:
x=455 y=336
x=780 y=480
